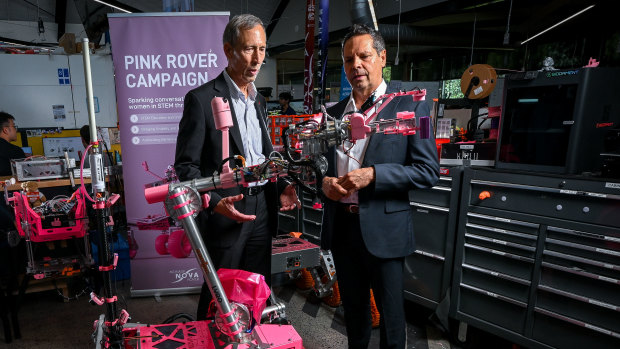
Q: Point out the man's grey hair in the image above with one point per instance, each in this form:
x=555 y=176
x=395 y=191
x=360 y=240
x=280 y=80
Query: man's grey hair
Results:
x=237 y=24
x=361 y=29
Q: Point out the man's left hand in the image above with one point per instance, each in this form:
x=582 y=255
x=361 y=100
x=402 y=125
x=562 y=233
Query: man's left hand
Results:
x=289 y=199
x=357 y=179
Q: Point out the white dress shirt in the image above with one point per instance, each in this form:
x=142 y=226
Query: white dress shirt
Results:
x=249 y=127
x=347 y=163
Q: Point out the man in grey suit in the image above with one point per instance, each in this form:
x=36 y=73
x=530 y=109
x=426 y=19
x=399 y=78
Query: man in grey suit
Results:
x=238 y=225
x=367 y=221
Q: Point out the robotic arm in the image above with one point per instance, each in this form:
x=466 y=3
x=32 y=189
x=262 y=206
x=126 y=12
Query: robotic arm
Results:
x=316 y=135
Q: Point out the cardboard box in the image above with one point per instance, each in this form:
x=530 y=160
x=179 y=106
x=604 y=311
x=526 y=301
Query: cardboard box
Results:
x=67 y=41
x=78 y=47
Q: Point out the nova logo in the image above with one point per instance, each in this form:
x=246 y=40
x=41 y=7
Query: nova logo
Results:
x=555 y=74
x=188 y=275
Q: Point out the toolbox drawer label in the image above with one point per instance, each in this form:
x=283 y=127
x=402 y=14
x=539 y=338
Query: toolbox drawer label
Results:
x=612 y=185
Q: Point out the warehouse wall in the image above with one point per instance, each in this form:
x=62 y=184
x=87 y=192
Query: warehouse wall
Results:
x=37 y=96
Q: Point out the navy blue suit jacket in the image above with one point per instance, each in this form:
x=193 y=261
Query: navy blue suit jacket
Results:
x=401 y=163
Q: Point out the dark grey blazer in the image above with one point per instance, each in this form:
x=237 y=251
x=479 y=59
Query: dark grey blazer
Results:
x=401 y=163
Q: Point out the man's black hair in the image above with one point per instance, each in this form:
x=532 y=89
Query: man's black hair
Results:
x=85 y=133
x=286 y=96
x=4 y=118
x=362 y=29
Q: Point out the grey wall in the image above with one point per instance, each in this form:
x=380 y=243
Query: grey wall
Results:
x=30 y=88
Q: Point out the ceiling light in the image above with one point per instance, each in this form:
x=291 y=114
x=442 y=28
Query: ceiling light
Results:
x=113 y=6
x=12 y=43
x=484 y=4
x=560 y=22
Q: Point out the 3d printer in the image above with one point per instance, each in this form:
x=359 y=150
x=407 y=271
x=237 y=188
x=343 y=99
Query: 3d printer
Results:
x=35 y=168
x=56 y=219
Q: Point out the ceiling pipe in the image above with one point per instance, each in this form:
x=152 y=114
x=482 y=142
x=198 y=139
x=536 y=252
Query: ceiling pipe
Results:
x=61 y=17
x=361 y=14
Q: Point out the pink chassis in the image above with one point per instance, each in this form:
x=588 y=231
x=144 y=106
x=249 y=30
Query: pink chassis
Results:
x=31 y=228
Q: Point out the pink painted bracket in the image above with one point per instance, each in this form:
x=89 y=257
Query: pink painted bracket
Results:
x=205 y=200
x=359 y=129
x=223 y=121
x=592 y=63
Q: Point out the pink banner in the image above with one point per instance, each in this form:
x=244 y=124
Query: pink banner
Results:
x=157 y=59
x=309 y=59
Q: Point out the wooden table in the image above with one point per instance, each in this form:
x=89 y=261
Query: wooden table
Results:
x=47 y=183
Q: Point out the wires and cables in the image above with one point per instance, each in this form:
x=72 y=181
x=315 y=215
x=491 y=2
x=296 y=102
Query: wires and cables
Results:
x=85 y=291
x=507 y=34
x=239 y=158
x=473 y=38
x=346 y=152
x=400 y=9
x=60 y=204
x=175 y=317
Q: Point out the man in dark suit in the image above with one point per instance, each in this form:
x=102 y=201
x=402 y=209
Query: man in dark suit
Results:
x=238 y=225
x=367 y=221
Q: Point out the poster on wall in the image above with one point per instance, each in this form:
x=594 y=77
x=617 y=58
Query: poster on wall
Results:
x=157 y=59
x=59 y=112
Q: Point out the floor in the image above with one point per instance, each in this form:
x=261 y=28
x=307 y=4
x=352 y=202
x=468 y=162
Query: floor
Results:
x=49 y=322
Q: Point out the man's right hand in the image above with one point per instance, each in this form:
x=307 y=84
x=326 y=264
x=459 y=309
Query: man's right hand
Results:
x=332 y=189
x=226 y=207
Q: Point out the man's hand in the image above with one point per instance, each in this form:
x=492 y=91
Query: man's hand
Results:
x=332 y=189
x=226 y=207
x=357 y=179
x=289 y=199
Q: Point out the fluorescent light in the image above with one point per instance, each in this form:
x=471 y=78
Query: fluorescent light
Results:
x=12 y=43
x=4 y=43
x=113 y=6
x=485 y=4
x=555 y=25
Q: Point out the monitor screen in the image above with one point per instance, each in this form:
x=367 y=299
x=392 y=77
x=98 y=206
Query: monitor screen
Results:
x=537 y=124
x=27 y=151
x=57 y=146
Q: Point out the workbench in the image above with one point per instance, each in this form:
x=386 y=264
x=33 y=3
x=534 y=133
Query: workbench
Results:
x=46 y=183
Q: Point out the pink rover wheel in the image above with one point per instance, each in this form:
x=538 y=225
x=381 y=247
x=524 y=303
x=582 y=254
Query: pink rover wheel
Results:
x=160 y=244
x=178 y=244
